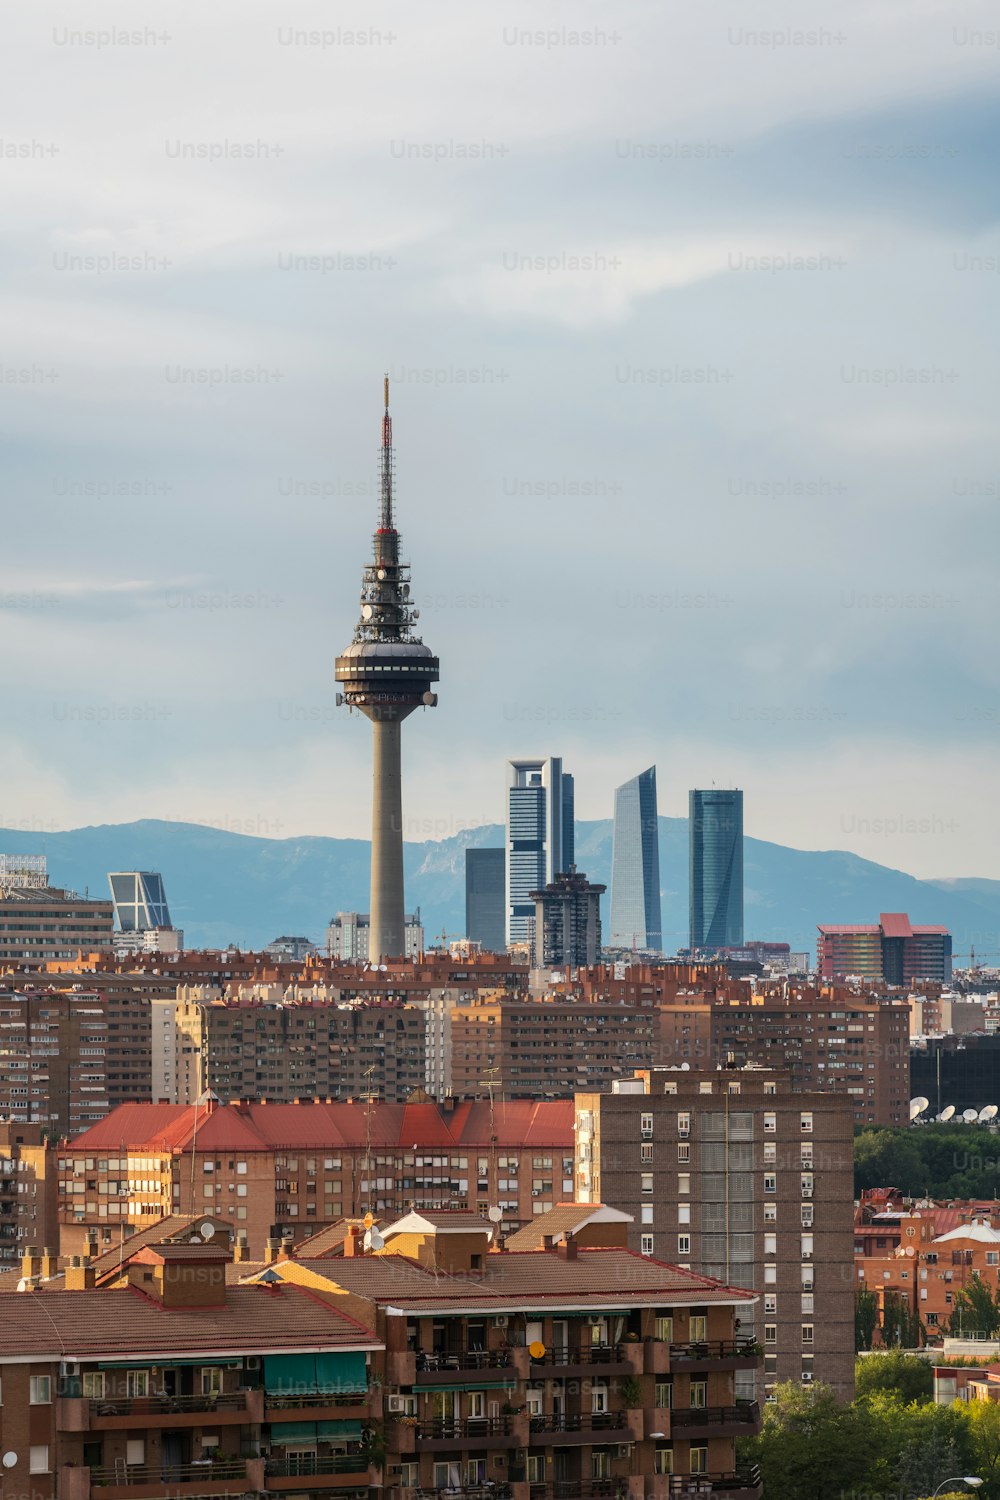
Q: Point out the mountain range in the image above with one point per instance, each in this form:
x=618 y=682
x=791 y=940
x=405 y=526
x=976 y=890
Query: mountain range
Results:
x=233 y=888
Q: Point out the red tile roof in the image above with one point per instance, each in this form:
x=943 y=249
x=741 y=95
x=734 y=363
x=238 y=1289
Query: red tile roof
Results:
x=895 y=924
x=519 y=1123
x=125 y=1324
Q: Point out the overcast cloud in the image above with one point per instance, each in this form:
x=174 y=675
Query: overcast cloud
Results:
x=690 y=313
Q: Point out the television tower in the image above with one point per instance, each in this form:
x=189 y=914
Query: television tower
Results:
x=386 y=672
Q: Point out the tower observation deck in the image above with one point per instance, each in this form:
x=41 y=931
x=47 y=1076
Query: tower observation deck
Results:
x=386 y=672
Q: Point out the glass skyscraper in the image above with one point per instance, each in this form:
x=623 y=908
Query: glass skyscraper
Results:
x=540 y=836
x=635 y=866
x=484 y=893
x=715 y=844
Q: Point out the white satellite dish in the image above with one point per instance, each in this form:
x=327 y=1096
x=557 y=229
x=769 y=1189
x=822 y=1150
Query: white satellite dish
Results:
x=987 y=1113
x=918 y=1105
x=969 y=1115
x=9 y=1460
x=207 y=1230
x=495 y=1215
x=946 y=1113
x=366 y=611
x=373 y=1240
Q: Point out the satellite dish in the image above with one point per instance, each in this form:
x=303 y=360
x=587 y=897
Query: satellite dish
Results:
x=495 y=1215
x=918 y=1105
x=946 y=1113
x=207 y=1230
x=373 y=1240
x=989 y=1113
x=366 y=611
x=368 y=1220
x=910 y=1250
x=9 y=1460
x=536 y=1349
x=381 y=573
x=383 y=968
x=969 y=1115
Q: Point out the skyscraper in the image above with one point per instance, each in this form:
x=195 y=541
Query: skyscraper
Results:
x=387 y=672
x=140 y=900
x=540 y=840
x=635 y=866
x=484 y=894
x=567 y=928
x=715 y=843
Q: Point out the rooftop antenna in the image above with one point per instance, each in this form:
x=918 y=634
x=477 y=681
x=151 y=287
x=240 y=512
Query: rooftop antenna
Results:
x=368 y=1107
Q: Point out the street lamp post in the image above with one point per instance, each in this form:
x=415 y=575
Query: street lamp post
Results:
x=969 y=1479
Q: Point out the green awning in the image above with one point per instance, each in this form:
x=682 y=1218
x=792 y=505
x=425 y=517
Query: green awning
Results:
x=342 y=1372
x=471 y=1385
x=349 y=1432
x=290 y=1372
x=293 y=1432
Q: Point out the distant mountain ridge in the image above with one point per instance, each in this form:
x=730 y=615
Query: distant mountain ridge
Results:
x=228 y=887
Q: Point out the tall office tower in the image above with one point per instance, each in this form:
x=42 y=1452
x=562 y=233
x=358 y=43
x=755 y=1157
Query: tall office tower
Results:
x=386 y=673
x=715 y=844
x=140 y=900
x=635 y=866
x=567 y=929
x=540 y=837
x=484 y=887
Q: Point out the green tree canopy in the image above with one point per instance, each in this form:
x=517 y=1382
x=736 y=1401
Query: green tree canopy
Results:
x=903 y=1375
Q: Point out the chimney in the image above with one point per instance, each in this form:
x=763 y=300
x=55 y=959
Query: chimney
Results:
x=80 y=1274
x=287 y=1245
x=272 y=1249
x=31 y=1262
x=241 y=1250
x=352 y=1241
x=91 y=1248
x=546 y=1242
x=567 y=1247
x=50 y=1262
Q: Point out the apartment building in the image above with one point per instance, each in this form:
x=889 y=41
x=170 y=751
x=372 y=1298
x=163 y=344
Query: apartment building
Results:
x=737 y=1175
x=568 y=1371
x=27 y=1190
x=177 y=1383
x=41 y=922
x=548 y=1047
x=53 y=1059
x=263 y=1168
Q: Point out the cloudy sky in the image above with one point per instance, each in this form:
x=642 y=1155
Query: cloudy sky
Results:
x=690 y=314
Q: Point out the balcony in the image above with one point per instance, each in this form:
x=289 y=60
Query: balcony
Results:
x=443 y=1368
x=324 y=1471
x=225 y=1476
x=744 y=1486
x=740 y=1420
x=473 y=1432
x=316 y=1406
x=583 y=1359
x=225 y=1409
x=577 y=1427
x=716 y=1354
x=624 y=1487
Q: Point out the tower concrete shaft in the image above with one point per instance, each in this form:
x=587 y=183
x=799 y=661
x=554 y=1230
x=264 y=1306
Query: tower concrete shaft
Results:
x=386 y=673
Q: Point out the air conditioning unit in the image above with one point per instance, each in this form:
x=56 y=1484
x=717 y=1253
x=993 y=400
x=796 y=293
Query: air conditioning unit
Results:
x=396 y=1403
x=253 y=1362
x=500 y=1321
x=622 y=1450
x=68 y=1367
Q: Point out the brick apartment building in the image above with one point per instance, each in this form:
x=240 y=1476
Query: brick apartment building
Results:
x=265 y=1167
x=53 y=1059
x=41 y=923
x=548 y=1047
x=27 y=1190
x=564 y=1372
x=893 y=949
x=440 y=1366
x=738 y=1176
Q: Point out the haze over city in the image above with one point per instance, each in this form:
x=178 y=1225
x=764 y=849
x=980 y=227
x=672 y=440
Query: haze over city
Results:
x=692 y=402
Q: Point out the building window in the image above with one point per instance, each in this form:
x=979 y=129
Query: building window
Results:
x=770 y=1182
x=698 y=1460
x=683 y=1182
x=807 y=1333
x=600 y=1464
x=683 y=1244
x=646 y=1127
x=770 y=1244
x=770 y=1122
x=40 y=1394
x=663 y=1328
x=808 y=1300
x=645 y=1213
x=663 y=1394
x=646 y=1244
x=536 y=1468
x=807 y=1245
x=38 y=1458
x=770 y=1274
x=663 y=1461
x=807 y=1215
x=698 y=1326
x=770 y=1333
x=645 y=1152
x=683 y=1213
x=136 y=1383
x=770 y=1213
x=699 y=1394
x=771 y=1303
x=684 y=1124
x=646 y=1182
x=770 y=1153
x=92 y=1385
x=807 y=1122
x=683 y=1151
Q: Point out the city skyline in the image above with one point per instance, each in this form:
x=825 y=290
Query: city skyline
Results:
x=187 y=395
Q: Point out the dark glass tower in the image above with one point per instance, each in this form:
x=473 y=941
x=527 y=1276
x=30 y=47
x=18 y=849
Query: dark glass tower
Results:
x=484 y=897
x=635 y=866
x=387 y=672
x=715 y=843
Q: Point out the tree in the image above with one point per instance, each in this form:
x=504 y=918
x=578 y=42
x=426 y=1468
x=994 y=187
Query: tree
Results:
x=888 y=1158
x=984 y=1425
x=811 y=1446
x=976 y=1309
x=940 y=1446
x=865 y=1318
x=900 y=1322
x=904 y=1376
